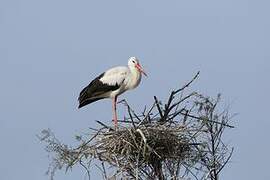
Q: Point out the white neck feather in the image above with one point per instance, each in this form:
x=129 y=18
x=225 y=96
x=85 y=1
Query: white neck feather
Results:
x=134 y=78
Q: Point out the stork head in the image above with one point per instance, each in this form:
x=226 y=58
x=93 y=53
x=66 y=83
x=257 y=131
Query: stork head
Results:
x=134 y=63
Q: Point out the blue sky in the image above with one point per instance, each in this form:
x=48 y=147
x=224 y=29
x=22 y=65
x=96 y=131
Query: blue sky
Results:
x=49 y=50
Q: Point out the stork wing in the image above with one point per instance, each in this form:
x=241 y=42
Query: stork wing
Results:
x=115 y=76
x=104 y=83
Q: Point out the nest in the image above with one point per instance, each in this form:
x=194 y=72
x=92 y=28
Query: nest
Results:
x=142 y=151
x=144 y=145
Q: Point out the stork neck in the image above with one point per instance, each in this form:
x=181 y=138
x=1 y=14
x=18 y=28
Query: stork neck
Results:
x=135 y=78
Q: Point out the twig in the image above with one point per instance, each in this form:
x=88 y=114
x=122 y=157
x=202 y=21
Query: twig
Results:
x=227 y=160
x=202 y=119
x=188 y=84
x=86 y=169
x=158 y=107
x=104 y=125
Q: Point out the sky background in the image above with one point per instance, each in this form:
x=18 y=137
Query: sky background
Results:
x=51 y=49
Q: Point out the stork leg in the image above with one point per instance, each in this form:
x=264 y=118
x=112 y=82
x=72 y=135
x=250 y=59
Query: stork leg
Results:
x=114 y=112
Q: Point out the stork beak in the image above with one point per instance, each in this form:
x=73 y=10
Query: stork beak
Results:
x=139 y=67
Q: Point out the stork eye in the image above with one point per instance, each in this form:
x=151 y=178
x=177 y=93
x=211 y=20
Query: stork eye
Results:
x=133 y=61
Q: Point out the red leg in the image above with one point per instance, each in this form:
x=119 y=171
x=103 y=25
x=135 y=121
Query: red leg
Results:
x=114 y=111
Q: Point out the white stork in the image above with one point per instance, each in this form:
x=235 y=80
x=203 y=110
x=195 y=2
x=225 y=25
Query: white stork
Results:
x=112 y=83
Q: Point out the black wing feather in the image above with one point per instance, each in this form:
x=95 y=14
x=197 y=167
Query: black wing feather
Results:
x=92 y=92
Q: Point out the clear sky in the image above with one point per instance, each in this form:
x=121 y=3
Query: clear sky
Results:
x=51 y=49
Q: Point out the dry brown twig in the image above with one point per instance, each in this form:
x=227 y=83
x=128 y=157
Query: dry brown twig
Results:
x=180 y=140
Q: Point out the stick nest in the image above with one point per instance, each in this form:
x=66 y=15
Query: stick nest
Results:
x=145 y=145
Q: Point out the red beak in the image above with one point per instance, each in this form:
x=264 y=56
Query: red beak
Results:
x=139 y=67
